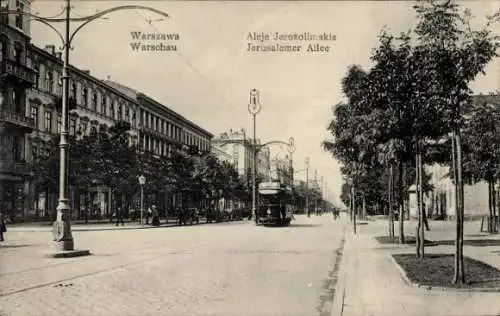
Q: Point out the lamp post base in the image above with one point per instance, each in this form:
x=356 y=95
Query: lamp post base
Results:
x=61 y=231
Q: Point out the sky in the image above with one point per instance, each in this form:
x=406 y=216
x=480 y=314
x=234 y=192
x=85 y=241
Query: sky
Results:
x=209 y=77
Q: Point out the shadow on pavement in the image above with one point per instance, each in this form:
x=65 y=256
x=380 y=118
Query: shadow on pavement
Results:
x=14 y=246
x=304 y=225
x=473 y=242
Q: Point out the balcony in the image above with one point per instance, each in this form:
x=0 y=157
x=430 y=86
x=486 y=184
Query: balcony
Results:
x=17 y=120
x=152 y=132
x=18 y=74
x=14 y=167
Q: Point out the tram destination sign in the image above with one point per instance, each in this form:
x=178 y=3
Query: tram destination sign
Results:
x=269 y=186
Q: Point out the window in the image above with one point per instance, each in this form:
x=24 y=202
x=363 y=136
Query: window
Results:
x=93 y=129
x=3 y=50
x=48 y=121
x=120 y=111
x=34 y=115
x=83 y=127
x=49 y=81
x=59 y=123
x=85 y=96
x=4 y=18
x=18 y=147
x=34 y=152
x=132 y=117
x=17 y=97
x=72 y=126
x=73 y=90
x=103 y=104
x=94 y=101
x=18 y=53
x=19 y=16
x=127 y=113
x=112 y=109
x=37 y=76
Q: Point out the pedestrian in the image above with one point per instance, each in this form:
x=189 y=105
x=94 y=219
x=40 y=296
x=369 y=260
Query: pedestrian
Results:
x=426 y=223
x=3 y=227
x=119 y=216
x=155 y=216
x=148 y=214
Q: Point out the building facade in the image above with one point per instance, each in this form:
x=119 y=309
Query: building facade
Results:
x=235 y=147
x=30 y=109
x=17 y=77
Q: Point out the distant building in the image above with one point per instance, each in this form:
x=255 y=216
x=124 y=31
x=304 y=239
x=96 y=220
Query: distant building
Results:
x=442 y=199
x=239 y=148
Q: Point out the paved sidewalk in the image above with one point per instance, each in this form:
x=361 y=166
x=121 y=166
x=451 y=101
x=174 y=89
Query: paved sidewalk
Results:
x=371 y=284
x=45 y=227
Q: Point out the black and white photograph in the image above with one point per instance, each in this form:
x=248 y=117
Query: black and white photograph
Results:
x=250 y=158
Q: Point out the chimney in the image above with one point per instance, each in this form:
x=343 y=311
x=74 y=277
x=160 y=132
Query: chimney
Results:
x=58 y=55
x=50 y=49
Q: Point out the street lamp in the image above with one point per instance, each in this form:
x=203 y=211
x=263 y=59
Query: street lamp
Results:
x=291 y=150
x=62 y=226
x=254 y=108
x=142 y=182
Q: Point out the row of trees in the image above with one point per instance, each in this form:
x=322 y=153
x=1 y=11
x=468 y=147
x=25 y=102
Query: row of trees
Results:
x=408 y=110
x=107 y=158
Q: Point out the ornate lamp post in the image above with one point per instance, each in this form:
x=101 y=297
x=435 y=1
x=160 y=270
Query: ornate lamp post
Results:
x=254 y=108
x=142 y=182
x=291 y=150
x=62 y=226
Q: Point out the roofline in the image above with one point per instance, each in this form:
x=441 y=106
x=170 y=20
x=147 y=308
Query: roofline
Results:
x=84 y=74
x=172 y=112
x=120 y=93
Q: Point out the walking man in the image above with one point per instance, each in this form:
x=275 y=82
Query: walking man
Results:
x=119 y=216
x=3 y=227
x=424 y=214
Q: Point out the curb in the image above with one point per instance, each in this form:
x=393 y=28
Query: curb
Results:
x=340 y=288
x=404 y=276
x=85 y=229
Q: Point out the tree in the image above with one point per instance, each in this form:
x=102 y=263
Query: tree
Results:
x=481 y=147
x=451 y=55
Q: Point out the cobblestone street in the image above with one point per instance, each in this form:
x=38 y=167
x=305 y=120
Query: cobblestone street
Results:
x=223 y=269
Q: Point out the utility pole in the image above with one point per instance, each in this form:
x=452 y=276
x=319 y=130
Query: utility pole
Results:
x=307 y=187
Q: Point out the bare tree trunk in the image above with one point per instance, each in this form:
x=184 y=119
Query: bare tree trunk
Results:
x=494 y=202
x=364 y=207
x=353 y=194
x=419 y=206
x=490 y=207
x=402 y=190
x=391 y=213
x=459 y=277
x=87 y=202
x=422 y=215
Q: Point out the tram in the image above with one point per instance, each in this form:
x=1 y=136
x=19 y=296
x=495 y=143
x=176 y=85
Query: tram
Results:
x=275 y=204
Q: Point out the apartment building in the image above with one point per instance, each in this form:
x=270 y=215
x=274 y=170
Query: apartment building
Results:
x=234 y=146
x=30 y=109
